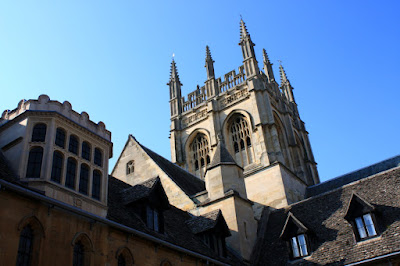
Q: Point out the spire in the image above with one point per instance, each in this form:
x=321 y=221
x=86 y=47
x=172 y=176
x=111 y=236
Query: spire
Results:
x=268 y=67
x=243 y=30
x=282 y=73
x=285 y=84
x=221 y=155
x=174 y=77
x=209 y=64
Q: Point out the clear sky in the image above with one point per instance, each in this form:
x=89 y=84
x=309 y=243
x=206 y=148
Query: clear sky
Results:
x=112 y=60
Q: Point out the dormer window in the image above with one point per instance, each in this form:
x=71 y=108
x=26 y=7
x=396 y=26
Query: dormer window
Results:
x=153 y=219
x=295 y=234
x=360 y=214
x=299 y=246
x=365 y=226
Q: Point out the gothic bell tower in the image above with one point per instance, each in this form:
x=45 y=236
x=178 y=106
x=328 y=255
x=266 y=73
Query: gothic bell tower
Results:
x=258 y=120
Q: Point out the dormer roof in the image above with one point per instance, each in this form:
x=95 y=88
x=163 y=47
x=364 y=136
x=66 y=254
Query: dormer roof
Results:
x=292 y=227
x=357 y=206
x=211 y=221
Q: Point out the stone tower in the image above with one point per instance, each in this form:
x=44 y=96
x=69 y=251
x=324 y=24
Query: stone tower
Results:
x=257 y=119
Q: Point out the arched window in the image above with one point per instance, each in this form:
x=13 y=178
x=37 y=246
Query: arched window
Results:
x=56 y=171
x=130 y=167
x=79 y=254
x=86 y=150
x=25 y=246
x=60 y=138
x=199 y=153
x=84 y=179
x=241 y=141
x=98 y=160
x=39 y=133
x=124 y=257
x=73 y=144
x=34 y=162
x=96 y=185
x=71 y=173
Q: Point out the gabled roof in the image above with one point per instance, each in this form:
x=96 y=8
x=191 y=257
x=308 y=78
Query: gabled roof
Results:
x=209 y=221
x=333 y=239
x=221 y=156
x=151 y=190
x=357 y=206
x=189 y=183
x=292 y=227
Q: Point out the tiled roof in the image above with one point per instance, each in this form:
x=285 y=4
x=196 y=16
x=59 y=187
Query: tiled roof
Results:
x=203 y=223
x=139 y=191
x=332 y=238
x=353 y=176
x=221 y=156
x=189 y=183
x=5 y=171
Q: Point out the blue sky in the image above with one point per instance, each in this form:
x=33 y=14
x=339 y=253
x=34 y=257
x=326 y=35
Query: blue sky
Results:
x=112 y=60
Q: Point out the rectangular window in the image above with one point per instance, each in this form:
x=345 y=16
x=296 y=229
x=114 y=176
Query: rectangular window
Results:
x=365 y=226
x=299 y=246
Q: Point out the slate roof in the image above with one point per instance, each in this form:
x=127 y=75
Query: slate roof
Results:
x=176 y=230
x=5 y=171
x=353 y=176
x=203 y=223
x=189 y=183
x=331 y=237
x=139 y=191
x=221 y=156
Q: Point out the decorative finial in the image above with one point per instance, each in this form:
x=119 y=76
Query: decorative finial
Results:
x=243 y=29
x=282 y=73
x=265 y=55
x=208 y=54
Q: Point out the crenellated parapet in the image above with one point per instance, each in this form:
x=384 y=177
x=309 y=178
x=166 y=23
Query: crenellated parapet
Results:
x=44 y=104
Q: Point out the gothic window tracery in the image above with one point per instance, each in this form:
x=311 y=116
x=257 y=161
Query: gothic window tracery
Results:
x=130 y=167
x=240 y=135
x=199 y=153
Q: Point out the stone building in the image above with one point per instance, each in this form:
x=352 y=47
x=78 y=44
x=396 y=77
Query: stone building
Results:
x=242 y=187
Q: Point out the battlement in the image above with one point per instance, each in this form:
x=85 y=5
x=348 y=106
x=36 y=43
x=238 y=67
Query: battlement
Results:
x=200 y=95
x=44 y=104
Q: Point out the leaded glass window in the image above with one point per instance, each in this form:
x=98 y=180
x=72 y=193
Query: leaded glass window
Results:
x=34 y=162
x=60 y=138
x=57 y=168
x=241 y=141
x=299 y=246
x=39 y=133
x=71 y=173
x=199 y=155
x=98 y=160
x=24 y=256
x=84 y=179
x=73 y=144
x=365 y=226
x=96 y=184
x=86 y=151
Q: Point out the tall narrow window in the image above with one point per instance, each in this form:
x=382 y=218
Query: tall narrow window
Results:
x=25 y=247
x=60 y=138
x=96 y=185
x=130 y=167
x=34 y=162
x=86 y=151
x=153 y=219
x=56 y=171
x=98 y=160
x=71 y=173
x=199 y=155
x=365 y=226
x=241 y=141
x=79 y=254
x=121 y=260
x=299 y=246
x=39 y=133
x=84 y=179
x=73 y=144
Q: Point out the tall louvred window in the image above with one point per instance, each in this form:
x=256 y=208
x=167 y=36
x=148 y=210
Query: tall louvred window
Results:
x=98 y=157
x=39 y=132
x=57 y=168
x=241 y=141
x=199 y=155
x=34 y=162
x=24 y=256
x=86 y=151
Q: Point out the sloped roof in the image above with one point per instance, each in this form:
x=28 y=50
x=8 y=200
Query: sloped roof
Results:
x=221 y=156
x=189 y=183
x=204 y=222
x=332 y=241
x=5 y=171
x=139 y=191
x=353 y=176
